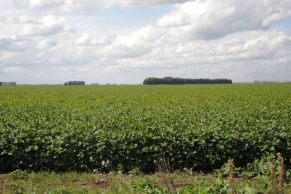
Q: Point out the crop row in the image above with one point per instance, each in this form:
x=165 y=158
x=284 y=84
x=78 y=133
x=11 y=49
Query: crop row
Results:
x=199 y=127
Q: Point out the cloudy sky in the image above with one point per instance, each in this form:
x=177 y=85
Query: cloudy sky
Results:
x=124 y=41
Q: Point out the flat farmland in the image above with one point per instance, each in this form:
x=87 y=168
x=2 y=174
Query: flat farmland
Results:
x=58 y=128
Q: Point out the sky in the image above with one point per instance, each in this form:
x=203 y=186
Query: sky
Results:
x=125 y=41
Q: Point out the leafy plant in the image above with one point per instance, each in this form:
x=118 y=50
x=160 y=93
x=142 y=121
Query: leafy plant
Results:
x=147 y=186
x=195 y=127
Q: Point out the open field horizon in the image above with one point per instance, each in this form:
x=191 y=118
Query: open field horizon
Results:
x=138 y=96
x=127 y=129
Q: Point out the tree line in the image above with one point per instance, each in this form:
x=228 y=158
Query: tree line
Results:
x=180 y=81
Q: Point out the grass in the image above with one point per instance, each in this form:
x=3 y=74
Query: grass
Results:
x=72 y=182
x=44 y=182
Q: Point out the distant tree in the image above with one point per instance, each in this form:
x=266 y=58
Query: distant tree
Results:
x=75 y=83
x=180 y=81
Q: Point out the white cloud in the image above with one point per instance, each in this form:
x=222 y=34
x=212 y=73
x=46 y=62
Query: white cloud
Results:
x=241 y=56
x=26 y=19
x=44 y=26
x=202 y=38
x=11 y=69
x=60 y=5
x=44 y=4
x=6 y=56
x=243 y=47
x=199 y=20
x=204 y=19
x=88 y=40
x=13 y=43
x=46 y=44
x=85 y=5
x=143 y=2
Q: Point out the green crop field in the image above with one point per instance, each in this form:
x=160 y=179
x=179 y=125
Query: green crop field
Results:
x=196 y=126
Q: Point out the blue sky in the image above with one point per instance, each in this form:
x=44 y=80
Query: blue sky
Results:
x=125 y=41
x=283 y=26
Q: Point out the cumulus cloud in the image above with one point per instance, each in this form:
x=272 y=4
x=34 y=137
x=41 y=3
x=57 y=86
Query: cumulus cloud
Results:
x=44 y=4
x=204 y=19
x=85 y=5
x=241 y=56
x=6 y=56
x=13 y=43
x=88 y=40
x=44 y=26
x=202 y=38
x=244 y=47
x=46 y=44
x=199 y=20
x=60 y=5
x=143 y=3
x=23 y=19
x=11 y=69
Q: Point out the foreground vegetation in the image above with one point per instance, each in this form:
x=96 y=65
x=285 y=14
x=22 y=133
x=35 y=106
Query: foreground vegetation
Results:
x=182 y=182
x=131 y=127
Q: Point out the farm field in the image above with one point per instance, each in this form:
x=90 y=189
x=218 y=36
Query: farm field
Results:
x=107 y=128
x=122 y=132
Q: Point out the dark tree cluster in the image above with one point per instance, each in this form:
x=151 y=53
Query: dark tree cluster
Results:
x=7 y=83
x=180 y=81
x=75 y=83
